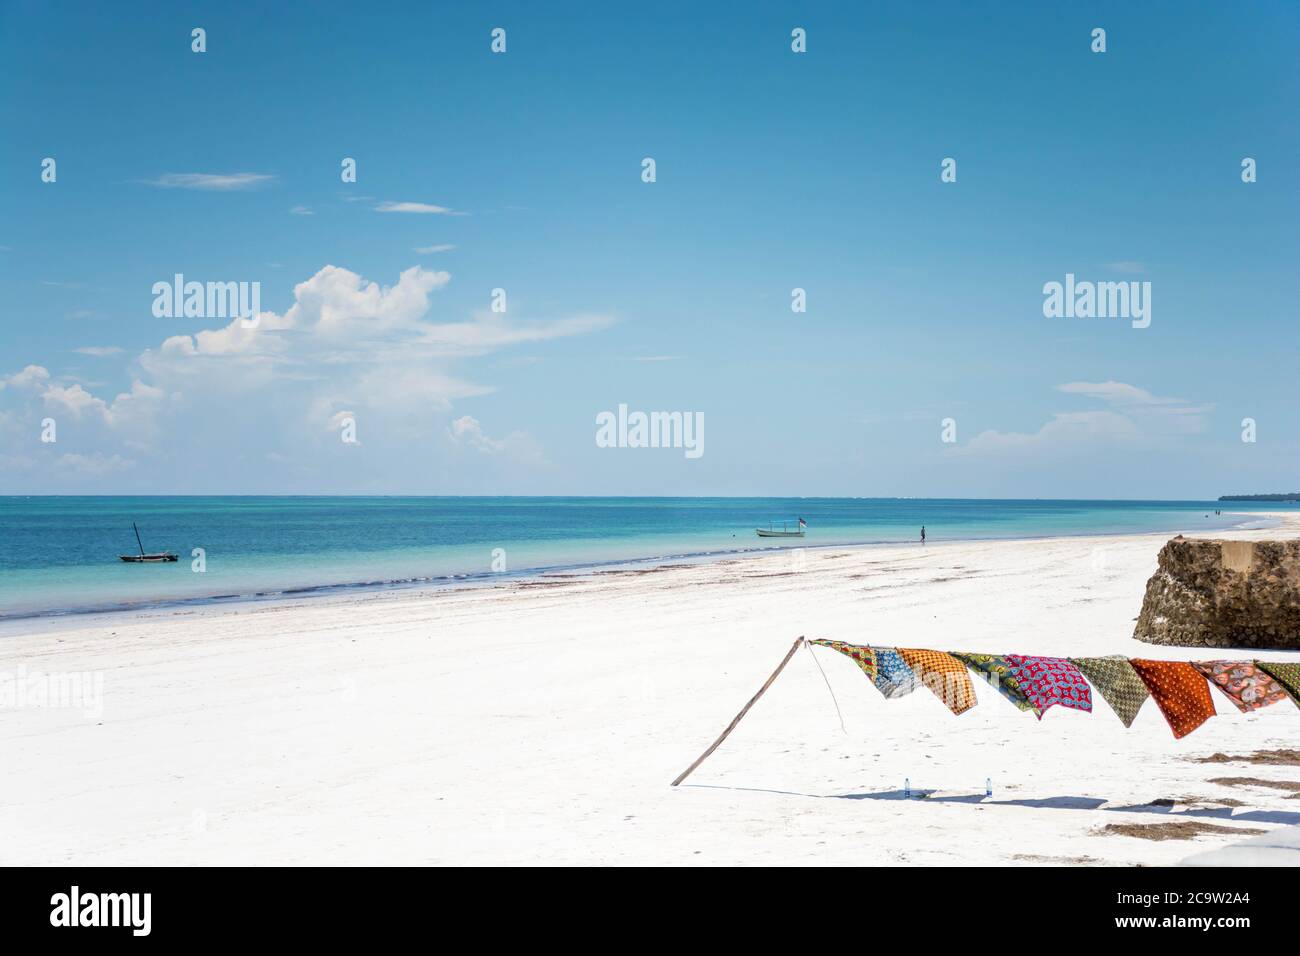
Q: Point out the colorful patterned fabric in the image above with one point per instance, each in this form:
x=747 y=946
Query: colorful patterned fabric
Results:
x=1048 y=681
x=1118 y=683
x=1179 y=691
x=1288 y=675
x=893 y=677
x=1242 y=683
x=997 y=672
x=944 y=675
x=865 y=657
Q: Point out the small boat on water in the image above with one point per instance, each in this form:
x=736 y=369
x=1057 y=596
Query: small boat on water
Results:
x=142 y=558
x=785 y=532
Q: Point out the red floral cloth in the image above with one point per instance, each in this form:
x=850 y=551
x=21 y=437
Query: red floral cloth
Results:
x=1050 y=680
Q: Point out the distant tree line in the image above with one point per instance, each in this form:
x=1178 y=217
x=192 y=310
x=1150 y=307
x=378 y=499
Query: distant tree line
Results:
x=1286 y=496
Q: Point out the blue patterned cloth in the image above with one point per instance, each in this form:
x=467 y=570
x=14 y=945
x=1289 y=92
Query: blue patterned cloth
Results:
x=894 y=677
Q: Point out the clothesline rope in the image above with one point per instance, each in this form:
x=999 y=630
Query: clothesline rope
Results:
x=1181 y=689
x=808 y=644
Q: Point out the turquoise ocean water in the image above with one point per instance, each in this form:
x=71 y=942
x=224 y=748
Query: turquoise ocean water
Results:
x=59 y=554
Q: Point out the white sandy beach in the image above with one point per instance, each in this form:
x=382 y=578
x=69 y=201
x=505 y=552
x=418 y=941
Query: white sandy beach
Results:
x=542 y=723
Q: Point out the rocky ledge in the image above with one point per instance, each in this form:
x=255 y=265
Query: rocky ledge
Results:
x=1215 y=593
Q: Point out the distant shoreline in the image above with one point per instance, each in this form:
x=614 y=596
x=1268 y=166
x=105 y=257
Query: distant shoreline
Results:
x=1282 y=498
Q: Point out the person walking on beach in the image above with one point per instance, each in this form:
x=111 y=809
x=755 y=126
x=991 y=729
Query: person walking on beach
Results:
x=923 y=536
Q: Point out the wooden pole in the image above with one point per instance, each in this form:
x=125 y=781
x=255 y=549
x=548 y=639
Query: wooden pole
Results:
x=732 y=726
x=137 y=539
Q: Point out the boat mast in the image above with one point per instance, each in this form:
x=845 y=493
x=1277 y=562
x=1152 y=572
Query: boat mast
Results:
x=137 y=539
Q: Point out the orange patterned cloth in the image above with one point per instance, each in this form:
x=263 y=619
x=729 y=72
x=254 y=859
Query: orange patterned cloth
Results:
x=1180 y=692
x=944 y=674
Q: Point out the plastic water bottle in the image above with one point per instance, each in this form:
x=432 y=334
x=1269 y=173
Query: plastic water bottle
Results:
x=907 y=788
x=988 y=786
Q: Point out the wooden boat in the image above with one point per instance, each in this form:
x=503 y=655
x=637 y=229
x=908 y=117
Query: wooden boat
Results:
x=142 y=558
x=785 y=532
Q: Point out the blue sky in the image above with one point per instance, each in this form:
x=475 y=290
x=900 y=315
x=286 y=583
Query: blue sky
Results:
x=775 y=170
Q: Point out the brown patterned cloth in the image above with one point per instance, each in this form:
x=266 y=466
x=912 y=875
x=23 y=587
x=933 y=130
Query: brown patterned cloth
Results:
x=944 y=675
x=1246 y=685
x=1288 y=675
x=864 y=657
x=1179 y=691
x=1118 y=683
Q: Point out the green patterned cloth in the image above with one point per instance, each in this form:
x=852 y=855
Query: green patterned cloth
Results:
x=1118 y=683
x=997 y=672
x=1288 y=675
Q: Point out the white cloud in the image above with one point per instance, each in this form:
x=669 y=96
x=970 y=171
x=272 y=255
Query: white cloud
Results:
x=333 y=308
x=1064 y=427
x=1116 y=393
x=1154 y=413
x=336 y=303
x=491 y=330
x=340 y=321
x=99 y=351
x=517 y=447
x=345 y=347
x=302 y=211
x=33 y=376
x=467 y=430
x=74 y=400
x=429 y=250
x=337 y=420
x=415 y=207
x=337 y=310
x=211 y=181
x=137 y=409
x=396 y=387
x=1134 y=414
x=134 y=410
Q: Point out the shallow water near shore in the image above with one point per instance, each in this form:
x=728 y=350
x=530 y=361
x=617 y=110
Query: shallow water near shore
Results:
x=60 y=554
